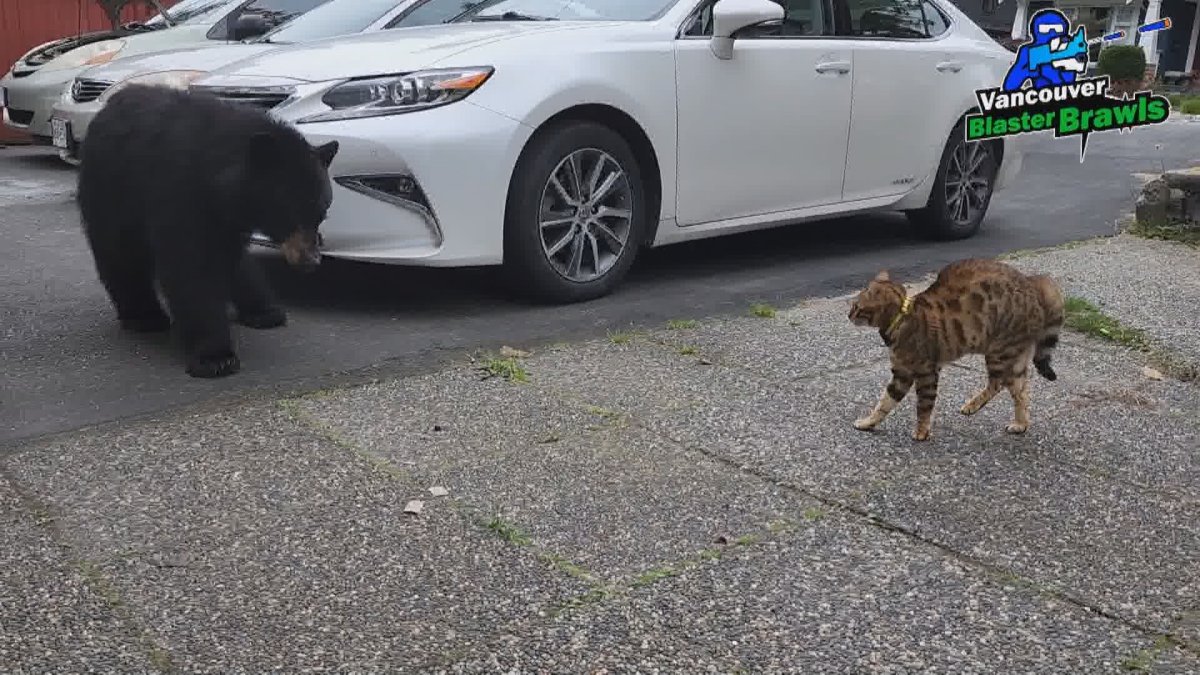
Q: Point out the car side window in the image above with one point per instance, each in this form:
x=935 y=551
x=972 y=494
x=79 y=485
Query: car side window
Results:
x=936 y=22
x=801 y=18
x=275 y=12
x=885 y=19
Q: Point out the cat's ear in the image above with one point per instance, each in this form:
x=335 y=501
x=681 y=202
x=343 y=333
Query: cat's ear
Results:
x=882 y=276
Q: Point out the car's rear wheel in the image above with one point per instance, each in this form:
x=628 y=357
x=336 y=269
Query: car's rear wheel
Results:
x=576 y=214
x=962 y=190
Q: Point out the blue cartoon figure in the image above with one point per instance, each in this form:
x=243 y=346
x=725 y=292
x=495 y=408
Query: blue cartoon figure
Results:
x=1051 y=56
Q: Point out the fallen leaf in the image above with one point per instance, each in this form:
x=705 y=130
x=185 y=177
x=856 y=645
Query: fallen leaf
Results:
x=1151 y=373
x=414 y=507
x=509 y=353
x=705 y=362
x=438 y=491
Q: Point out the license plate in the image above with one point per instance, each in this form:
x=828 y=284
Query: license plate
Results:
x=60 y=133
x=3 y=97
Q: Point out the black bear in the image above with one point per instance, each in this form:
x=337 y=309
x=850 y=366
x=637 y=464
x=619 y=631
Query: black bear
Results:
x=171 y=186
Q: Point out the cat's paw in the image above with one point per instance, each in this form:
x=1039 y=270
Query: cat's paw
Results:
x=970 y=407
x=1015 y=428
x=864 y=424
x=921 y=435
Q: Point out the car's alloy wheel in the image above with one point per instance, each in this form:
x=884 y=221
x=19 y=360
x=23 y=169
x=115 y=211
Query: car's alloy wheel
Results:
x=962 y=190
x=576 y=214
x=586 y=215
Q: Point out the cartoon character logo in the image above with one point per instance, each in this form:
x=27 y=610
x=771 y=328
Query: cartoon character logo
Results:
x=1051 y=57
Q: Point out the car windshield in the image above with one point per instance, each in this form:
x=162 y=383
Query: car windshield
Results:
x=189 y=11
x=563 y=10
x=337 y=17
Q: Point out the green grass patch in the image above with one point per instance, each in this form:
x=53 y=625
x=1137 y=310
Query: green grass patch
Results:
x=1084 y=317
x=1144 y=659
x=509 y=369
x=1180 y=233
x=620 y=338
x=1190 y=106
x=681 y=324
x=688 y=350
x=814 y=513
x=509 y=532
x=762 y=311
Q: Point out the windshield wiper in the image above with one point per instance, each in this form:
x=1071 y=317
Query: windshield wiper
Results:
x=513 y=16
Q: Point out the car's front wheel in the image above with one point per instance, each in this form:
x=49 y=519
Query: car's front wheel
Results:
x=962 y=189
x=576 y=214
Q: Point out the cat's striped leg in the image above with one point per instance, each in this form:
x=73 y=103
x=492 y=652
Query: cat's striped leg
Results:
x=894 y=393
x=927 y=385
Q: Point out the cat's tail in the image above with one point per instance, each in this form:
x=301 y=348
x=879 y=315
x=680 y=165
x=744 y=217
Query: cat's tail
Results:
x=1053 y=313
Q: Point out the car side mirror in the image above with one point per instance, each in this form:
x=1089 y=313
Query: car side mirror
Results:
x=249 y=26
x=730 y=16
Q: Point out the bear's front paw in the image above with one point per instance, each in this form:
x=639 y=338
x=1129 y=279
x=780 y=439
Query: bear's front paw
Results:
x=271 y=317
x=213 y=366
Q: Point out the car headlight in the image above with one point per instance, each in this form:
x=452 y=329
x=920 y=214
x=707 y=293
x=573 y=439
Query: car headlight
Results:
x=395 y=94
x=175 y=79
x=88 y=55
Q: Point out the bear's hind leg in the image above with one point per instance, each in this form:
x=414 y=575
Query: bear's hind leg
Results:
x=252 y=297
x=127 y=274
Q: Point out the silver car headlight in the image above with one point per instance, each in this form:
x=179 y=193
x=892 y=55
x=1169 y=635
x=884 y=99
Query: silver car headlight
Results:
x=396 y=94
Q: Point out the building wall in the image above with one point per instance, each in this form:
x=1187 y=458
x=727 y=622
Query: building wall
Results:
x=25 y=24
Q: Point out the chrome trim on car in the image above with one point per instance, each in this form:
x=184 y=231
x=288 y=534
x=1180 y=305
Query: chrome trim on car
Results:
x=86 y=90
x=421 y=208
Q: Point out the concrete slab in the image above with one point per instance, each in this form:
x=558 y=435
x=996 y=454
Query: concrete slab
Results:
x=241 y=542
x=582 y=483
x=881 y=604
x=56 y=614
x=1015 y=502
x=1144 y=283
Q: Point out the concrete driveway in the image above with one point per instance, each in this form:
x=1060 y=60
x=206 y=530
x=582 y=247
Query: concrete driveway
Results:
x=66 y=364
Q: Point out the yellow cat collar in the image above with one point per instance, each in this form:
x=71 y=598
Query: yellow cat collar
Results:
x=905 y=306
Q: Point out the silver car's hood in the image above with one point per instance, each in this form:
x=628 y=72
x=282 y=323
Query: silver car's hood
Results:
x=389 y=51
x=203 y=57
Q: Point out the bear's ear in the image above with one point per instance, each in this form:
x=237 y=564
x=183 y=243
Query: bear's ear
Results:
x=262 y=149
x=882 y=276
x=326 y=152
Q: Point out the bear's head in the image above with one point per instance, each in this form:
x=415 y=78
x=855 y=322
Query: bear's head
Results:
x=288 y=190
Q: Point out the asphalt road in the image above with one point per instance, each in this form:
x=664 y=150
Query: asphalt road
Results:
x=65 y=364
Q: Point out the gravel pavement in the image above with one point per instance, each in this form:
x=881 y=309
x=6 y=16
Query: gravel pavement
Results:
x=688 y=498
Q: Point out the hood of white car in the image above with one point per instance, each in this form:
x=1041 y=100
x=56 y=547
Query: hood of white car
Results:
x=390 y=51
x=205 y=57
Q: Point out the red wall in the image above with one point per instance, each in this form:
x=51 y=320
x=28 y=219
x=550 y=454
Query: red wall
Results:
x=25 y=24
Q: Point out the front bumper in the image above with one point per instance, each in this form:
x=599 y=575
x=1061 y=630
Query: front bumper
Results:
x=31 y=100
x=78 y=115
x=460 y=156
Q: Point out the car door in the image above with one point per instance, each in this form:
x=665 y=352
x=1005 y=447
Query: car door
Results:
x=905 y=75
x=764 y=131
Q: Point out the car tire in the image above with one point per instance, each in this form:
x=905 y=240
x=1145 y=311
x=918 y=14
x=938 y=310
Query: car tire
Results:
x=942 y=217
x=544 y=230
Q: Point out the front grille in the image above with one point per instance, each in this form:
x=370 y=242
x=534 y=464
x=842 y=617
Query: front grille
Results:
x=22 y=117
x=265 y=99
x=86 y=91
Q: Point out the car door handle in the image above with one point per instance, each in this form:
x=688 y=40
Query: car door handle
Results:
x=952 y=66
x=840 y=67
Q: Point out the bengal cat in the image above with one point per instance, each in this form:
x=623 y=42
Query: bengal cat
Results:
x=974 y=306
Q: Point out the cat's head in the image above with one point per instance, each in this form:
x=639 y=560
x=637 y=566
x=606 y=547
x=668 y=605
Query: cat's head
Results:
x=876 y=304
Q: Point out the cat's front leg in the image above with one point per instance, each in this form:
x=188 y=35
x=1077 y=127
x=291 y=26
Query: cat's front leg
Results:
x=894 y=392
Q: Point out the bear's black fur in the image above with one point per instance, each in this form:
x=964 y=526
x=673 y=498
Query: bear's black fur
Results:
x=171 y=186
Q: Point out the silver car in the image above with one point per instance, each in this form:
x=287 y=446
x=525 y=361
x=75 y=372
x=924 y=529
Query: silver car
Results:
x=29 y=90
x=80 y=102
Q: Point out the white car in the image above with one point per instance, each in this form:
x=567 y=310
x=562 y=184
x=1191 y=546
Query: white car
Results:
x=28 y=93
x=92 y=88
x=558 y=137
